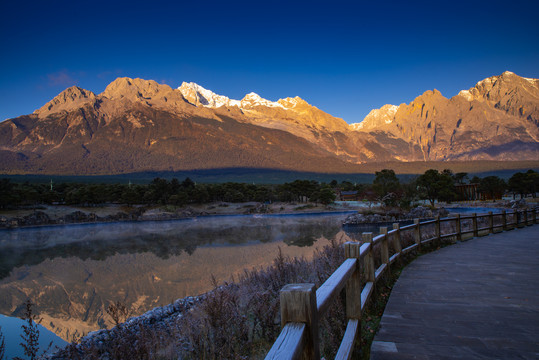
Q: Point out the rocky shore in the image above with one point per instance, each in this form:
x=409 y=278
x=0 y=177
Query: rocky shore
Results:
x=156 y=320
x=63 y=215
x=419 y=212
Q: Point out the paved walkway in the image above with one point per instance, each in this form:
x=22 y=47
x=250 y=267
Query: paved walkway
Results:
x=474 y=300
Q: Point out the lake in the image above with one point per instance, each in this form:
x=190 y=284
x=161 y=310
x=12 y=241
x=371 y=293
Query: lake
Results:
x=72 y=273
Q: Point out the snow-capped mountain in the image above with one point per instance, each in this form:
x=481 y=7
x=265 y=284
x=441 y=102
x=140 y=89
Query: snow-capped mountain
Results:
x=377 y=118
x=197 y=95
x=141 y=125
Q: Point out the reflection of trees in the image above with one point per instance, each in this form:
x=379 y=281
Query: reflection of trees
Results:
x=98 y=242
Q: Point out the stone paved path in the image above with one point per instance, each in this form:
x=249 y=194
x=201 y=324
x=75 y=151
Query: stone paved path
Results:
x=474 y=300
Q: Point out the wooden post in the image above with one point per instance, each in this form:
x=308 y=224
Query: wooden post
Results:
x=504 y=220
x=298 y=304
x=474 y=221
x=353 y=285
x=459 y=228
x=490 y=223
x=369 y=259
x=384 y=251
x=526 y=217
x=417 y=234
x=517 y=215
x=397 y=238
x=437 y=229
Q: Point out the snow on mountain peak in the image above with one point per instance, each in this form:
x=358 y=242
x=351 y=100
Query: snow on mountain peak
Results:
x=377 y=117
x=466 y=94
x=253 y=99
x=197 y=94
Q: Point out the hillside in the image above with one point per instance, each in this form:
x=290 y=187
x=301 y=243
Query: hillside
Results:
x=139 y=125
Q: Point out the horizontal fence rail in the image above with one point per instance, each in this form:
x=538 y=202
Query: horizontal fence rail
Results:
x=302 y=305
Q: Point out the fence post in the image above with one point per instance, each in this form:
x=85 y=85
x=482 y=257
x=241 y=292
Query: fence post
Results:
x=369 y=259
x=504 y=220
x=526 y=217
x=490 y=223
x=353 y=285
x=517 y=215
x=459 y=228
x=474 y=221
x=437 y=229
x=397 y=238
x=417 y=233
x=298 y=304
x=384 y=251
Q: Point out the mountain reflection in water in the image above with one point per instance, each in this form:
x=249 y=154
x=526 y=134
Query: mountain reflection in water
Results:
x=73 y=272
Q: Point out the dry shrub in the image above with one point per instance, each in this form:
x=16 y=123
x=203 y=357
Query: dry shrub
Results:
x=239 y=321
x=234 y=321
x=125 y=342
x=2 y=345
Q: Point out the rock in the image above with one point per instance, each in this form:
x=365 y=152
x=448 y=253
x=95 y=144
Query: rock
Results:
x=393 y=215
x=36 y=218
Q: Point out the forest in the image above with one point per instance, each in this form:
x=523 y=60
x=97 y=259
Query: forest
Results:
x=386 y=188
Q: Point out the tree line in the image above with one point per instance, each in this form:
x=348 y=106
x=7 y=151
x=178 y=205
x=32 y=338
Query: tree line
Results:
x=386 y=188
x=160 y=192
x=444 y=186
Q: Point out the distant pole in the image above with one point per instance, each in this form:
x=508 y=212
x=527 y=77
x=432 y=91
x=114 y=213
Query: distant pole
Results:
x=51 y=184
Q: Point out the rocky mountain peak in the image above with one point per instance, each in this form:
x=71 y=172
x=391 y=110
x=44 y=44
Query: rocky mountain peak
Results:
x=135 y=89
x=197 y=95
x=377 y=118
x=146 y=92
x=509 y=92
x=253 y=99
x=291 y=103
x=69 y=99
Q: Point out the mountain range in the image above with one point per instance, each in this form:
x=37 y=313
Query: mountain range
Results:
x=139 y=125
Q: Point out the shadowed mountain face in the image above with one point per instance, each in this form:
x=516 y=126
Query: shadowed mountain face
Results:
x=139 y=125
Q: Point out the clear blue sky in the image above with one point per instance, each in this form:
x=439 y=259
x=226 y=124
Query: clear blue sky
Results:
x=345 y=57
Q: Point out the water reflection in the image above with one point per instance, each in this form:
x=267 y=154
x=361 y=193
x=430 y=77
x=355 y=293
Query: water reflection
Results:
x=73 y=272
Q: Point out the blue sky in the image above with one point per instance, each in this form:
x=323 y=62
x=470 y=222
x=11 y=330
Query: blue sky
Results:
x=344 y=57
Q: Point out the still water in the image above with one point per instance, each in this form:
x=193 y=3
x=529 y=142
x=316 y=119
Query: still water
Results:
x=73 y=272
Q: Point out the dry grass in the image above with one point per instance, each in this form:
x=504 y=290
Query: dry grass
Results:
x=239 y=321
x=235 y=321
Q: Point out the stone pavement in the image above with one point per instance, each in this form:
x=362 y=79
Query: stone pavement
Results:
x=477 y=299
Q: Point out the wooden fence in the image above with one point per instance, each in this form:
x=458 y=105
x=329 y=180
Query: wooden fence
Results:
x=302 y=304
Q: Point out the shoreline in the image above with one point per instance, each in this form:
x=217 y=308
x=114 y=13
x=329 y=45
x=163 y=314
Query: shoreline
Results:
x=65 y=215
x=164 y=219
x=62 y=215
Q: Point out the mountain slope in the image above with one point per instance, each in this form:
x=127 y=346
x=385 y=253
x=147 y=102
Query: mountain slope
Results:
x=137 y=126
x=140 y=125
x=496 y=120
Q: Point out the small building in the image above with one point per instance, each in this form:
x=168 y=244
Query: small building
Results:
x=348 y=195
x=467 y=192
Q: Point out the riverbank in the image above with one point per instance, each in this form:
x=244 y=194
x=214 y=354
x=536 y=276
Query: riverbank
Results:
x=63 y=214
x=44 y=215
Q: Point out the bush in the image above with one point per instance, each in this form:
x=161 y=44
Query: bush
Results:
x=242 y=320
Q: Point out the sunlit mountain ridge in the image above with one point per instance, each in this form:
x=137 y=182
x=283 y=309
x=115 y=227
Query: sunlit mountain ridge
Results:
x=140 y=125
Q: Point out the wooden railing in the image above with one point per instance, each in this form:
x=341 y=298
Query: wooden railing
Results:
x=302 y=304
